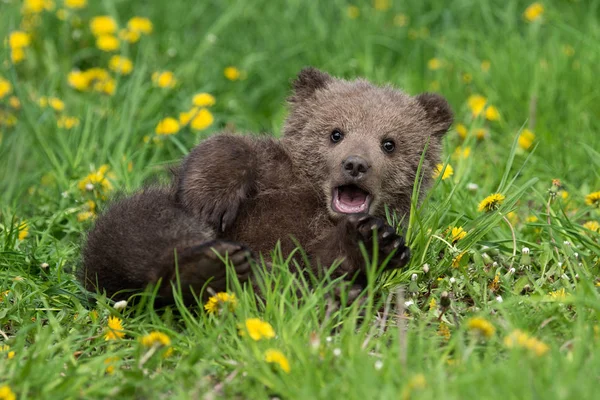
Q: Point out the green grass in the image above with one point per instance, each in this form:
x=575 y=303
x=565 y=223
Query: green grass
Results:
x=542 y=77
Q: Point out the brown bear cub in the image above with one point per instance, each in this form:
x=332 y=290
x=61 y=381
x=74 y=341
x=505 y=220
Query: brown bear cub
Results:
x=349 y=149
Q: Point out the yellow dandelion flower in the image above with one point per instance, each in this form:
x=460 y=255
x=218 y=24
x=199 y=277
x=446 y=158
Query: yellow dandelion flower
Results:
x=481 y=133
x=202 y=120
x=417 y=382
x=531 y=219
x=78 y=80
x=6 y=393
x=107 y=86
x=401 y=20
x=593 y=199
x=448 y=171
x=14 y=102
x=462 y=152
x=75 y=4
x=155 y=338
x=382 y=5
x=3 y=295
x=103 y=25
x=558 y=295
x=258 y=329
x=232 y=73
x=456 y=260
x=481 y=326
x=492 y=113
x=17 y=55
x=65 y=122
x=56 y=104
x=167 y=126
x=164 y=79
x=5 y=88
x=593 y=226
x=203 y=100
x=85 y=215
x=129 y=35
x=461 y=129
x=107 y=43
x=526 y=139
x=434 y=64
x=19 y=39
x=486 y=65
x=432 y=304
x=444 y=331
x=114 y=329
x=7 y=119
x=37 y=6
x=457 y=233
x=97 y=180
x=492 y=202
x=121 y=65
x=353 y=12
x=23 y=230
x=110 y=364
x=186 y=116
x=6 y=349
x=495 y=283
x=534 y=12
x=141 y=25
x=520 y=339
x=220 y=301
x=476 y=103
x=277 y=357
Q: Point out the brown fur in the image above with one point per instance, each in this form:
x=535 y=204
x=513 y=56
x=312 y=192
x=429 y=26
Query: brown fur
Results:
x=236 y=193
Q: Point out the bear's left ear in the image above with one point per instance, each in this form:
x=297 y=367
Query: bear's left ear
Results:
x=308 y=81
x=438 y=112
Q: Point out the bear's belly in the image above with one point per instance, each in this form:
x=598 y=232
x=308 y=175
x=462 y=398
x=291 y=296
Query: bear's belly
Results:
x=291 y=217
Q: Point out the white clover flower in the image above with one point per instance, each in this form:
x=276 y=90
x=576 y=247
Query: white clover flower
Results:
x=337 y=352
x=525 y=250
x=414 y=277
x=426 y=268
x=499 y=299
x=408 y=303
x=452 y=280
x=378 y=365
x=472 y=187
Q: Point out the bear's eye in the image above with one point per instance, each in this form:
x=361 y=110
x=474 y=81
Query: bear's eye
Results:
x=388 y=146
x=336 y=135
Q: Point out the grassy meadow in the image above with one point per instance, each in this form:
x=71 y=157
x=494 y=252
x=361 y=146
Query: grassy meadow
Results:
x=501 y=298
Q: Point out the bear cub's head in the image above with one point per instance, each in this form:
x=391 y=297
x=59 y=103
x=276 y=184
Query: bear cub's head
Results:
x=362 y=143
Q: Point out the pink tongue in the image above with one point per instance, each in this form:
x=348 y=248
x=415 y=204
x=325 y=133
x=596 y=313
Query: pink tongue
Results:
x=352 y=198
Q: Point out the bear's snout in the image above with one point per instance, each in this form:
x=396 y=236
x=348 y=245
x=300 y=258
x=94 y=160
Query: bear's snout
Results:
x=355 y=167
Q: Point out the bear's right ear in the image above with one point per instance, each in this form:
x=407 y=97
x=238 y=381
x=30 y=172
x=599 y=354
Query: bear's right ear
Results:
x=438 y=112
x=308 y=81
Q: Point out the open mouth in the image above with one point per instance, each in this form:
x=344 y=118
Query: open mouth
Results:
x=350 y=199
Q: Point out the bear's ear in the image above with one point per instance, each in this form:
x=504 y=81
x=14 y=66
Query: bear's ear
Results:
x=438 y=112
x=308 y=81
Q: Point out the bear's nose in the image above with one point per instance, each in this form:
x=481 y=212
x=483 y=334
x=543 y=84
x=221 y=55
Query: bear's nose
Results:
x=355 y=167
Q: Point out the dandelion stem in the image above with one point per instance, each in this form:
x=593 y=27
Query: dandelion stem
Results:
x=549 y=221
x=514 y=240
x=401 y=324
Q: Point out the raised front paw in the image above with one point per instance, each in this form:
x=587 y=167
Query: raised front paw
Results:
x=205 y=263
x=221 y=212
x=375 y=232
